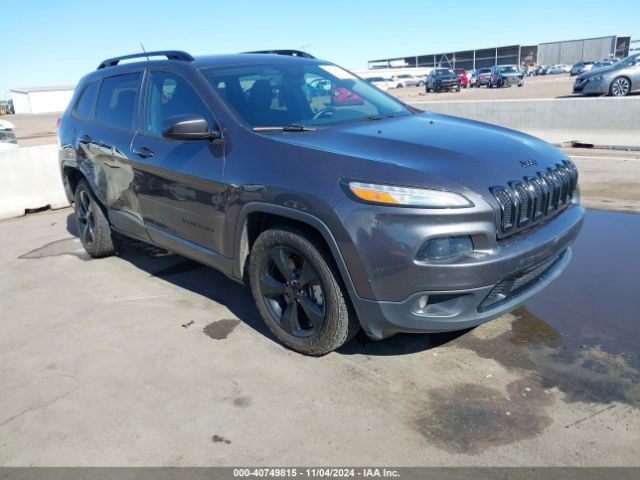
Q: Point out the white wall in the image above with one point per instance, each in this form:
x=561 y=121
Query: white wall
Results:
x=31 y=179
x=42 y=101
x=50 y=101
x=20 y=102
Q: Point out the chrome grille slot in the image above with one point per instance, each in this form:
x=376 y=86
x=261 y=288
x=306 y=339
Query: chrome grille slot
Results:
x=507 y=206
x=535 y=198
x=540 y=198
x=566 y=182
x=523 y=201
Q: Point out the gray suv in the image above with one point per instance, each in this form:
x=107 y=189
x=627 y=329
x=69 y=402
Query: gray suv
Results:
x=618 y=80
x=342 y=208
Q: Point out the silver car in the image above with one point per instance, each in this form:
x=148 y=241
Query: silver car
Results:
x=408 y=80
x=618 y=80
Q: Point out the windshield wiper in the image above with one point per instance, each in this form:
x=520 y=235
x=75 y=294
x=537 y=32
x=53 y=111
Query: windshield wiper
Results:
x=377 y=117
x=294 y=127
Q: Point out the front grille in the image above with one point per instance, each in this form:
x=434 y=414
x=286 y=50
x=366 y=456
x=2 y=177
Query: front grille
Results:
x=535 y=198
x=516 y=284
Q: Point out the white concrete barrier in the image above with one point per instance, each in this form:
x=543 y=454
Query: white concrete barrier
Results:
x=597 y=121
x=30 y=179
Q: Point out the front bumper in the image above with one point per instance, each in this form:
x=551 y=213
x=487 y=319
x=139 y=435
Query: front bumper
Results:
x=513 y=80
x=447 y=85
x=382 y=246
x=455 y=310
x=587 y=87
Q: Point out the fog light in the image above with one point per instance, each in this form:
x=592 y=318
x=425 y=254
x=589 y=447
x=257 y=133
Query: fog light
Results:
x=421 y=304
x=444 y=247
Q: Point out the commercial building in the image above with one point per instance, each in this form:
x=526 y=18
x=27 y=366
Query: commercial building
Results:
x=551 y=53
x=41 y=99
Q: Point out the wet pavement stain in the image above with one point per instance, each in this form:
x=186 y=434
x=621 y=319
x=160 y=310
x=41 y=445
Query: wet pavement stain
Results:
x=66 y=246
x=586 y=375
x=242 y=402
x=219 y=439
x=221 y=329
x=470 y=419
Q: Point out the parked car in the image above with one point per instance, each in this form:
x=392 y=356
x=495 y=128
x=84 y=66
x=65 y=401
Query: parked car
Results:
x=471 y=75
x=462 y=75
x=7 y=136
x=617 y=80
x=408 y=80
x=338 y=217
x=580 y=67
x=442 y=79
x=380 y=82
x=505 y=76
x=483 y=75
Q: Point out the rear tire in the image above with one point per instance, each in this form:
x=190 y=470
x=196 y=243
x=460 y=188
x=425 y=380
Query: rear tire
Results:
x=299 y=293
x=92 y=223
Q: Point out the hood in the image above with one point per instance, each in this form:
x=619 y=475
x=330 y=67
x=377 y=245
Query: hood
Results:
x=597 y=71
x=431 y=147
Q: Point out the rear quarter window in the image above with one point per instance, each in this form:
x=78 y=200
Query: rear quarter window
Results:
x=117 y=100
x=87 y=102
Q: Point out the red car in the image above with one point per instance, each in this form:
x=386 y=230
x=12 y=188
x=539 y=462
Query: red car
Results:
x=343 y=96
x=462 y=73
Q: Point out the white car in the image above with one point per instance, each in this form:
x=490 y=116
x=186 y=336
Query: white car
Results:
x=7 y=136
x=407 y=80
x=381 y=82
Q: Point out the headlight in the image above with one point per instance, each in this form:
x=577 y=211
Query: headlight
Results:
x=597 y=78
x=407 y=196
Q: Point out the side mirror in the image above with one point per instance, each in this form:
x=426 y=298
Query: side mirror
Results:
x=188 y=127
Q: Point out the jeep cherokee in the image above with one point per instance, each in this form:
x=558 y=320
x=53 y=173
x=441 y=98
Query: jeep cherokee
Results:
x=340 y=215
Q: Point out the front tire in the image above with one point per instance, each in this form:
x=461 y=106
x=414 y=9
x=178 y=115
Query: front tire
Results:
x=298 y=291
x=620 y=87
x=92 y=223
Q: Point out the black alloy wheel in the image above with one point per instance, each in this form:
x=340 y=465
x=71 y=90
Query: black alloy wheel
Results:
x=292 y=292
x=299 y=291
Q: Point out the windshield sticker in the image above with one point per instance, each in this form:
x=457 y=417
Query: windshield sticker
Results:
x=337 y=72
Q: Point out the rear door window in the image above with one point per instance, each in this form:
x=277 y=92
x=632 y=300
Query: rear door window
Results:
x=87 y=102
x=117 y=100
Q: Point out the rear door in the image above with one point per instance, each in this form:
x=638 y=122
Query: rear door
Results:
x=108 y=143
x=179 y=183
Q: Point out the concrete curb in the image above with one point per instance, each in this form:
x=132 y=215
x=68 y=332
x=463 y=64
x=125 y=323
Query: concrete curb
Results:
x=603 y=121
x=32 y=180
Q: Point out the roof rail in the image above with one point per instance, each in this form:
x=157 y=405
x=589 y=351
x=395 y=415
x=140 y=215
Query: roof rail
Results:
x=170 y=54
x=290 y=53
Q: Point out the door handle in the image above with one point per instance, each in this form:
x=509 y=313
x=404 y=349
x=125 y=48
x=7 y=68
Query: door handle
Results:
x=84 y=139
x=143 y=152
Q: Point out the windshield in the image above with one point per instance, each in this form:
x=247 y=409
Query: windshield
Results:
x=628 y=61
x=301 y=94
x=508 y=69
x=443 y=72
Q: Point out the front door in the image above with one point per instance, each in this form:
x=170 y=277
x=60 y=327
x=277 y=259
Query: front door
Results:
x=179 y=183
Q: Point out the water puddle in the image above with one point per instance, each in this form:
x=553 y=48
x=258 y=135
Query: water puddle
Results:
x=596 y=301
x=580 y=335
x=67 y=246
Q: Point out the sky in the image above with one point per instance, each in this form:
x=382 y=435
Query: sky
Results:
x=56 y=42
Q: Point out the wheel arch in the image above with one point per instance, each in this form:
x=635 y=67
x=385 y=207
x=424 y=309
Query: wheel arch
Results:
x=71 y=176
x=256 y=217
